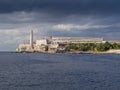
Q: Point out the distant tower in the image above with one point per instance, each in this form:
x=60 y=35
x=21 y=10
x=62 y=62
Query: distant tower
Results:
x=31 y=39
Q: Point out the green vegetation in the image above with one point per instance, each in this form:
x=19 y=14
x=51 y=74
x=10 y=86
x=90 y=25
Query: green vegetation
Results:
x=46 y=48
x=99 y=47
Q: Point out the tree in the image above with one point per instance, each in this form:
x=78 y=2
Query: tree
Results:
x=93 y=46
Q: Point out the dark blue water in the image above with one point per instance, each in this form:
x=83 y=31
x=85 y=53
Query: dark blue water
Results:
x=59 y=71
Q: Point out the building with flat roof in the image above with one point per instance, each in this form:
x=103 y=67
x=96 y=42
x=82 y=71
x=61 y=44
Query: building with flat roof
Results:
x=68 y=40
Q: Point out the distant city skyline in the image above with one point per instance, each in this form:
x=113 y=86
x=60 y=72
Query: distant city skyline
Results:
x=78 y=18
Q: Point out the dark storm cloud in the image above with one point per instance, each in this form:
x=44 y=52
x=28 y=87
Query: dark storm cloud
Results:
x=62 y=6
x=72 y=18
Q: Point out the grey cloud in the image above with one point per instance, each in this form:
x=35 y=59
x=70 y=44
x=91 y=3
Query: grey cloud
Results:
x=62 y=6
x=42 y=15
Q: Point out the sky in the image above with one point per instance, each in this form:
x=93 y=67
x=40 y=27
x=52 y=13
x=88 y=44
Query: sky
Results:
x=62 y=18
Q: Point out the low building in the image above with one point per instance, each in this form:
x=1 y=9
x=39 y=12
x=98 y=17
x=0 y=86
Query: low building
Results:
x=41 y=42
x=67 y=40
x=52 y=48
x=114 y=41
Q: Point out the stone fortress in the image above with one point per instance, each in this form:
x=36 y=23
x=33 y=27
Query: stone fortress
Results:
x=53 y=44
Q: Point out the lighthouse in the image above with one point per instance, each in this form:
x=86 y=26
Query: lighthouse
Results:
x=31 y=38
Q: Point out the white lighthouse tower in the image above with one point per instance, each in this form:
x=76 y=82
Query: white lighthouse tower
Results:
x=31 y=39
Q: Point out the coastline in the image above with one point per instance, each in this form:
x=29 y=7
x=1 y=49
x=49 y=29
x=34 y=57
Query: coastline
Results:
x=78 y=52
x=96 y=52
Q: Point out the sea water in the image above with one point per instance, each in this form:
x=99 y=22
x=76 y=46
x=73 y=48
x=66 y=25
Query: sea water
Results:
x=35 y=71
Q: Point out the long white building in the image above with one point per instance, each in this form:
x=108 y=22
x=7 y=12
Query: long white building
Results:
x=68 y=40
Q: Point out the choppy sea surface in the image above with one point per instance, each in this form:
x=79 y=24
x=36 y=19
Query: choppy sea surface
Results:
x=35 y=71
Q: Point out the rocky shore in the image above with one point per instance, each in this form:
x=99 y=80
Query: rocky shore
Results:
x=95 y=52
x=80 y=52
